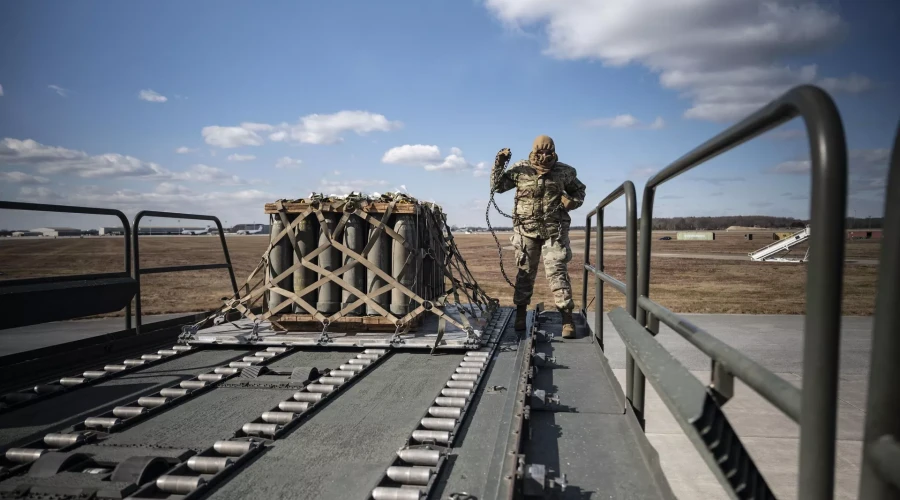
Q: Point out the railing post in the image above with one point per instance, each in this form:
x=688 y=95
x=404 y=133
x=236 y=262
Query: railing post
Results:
x=598 y=283
x=587 y=261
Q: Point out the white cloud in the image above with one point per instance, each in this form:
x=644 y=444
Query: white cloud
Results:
x=39 y=193
x=867 y=171
x=287 y=162
x=412 y=154
x=231 y=137
x=625 y=121
x=642 y=172
x=151 y=96
x=207 y=174
x=22 y=178
x=792 y=167
x=237 y=157
x=428 y=157
x=59 y=90
x=1 y=90
x=344 y=187
x=183 y=150
x=337 y=172
x=726 y=57
x=482 y=169
x=56 y=160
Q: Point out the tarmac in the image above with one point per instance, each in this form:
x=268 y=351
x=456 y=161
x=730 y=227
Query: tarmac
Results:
x=776 y=342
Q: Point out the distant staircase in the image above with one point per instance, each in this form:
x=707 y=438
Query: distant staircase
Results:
x=768 y=253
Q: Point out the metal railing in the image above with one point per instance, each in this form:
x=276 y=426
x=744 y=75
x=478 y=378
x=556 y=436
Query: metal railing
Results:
x=72 y=209
x=171 y=269
x=698 y=408
x=880 y=478
x=629 y=287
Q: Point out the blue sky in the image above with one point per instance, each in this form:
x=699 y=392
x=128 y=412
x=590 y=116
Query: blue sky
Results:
x=273 y=100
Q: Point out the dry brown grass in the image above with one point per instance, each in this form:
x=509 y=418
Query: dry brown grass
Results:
x=683 y=285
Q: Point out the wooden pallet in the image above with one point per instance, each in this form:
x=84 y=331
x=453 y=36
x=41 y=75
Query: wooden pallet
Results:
x=296 y=207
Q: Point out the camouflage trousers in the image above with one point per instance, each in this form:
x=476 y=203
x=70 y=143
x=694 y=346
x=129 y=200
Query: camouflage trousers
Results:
x=556 y=255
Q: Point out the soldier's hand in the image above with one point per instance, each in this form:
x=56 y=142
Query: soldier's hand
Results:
x=503 y=157
x=566 y=202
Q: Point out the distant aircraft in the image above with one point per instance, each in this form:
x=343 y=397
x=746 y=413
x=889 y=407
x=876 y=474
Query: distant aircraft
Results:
x=251 y=231
x=193 y=232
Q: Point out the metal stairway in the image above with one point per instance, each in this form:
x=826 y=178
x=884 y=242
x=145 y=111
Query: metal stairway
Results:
x=768 y=252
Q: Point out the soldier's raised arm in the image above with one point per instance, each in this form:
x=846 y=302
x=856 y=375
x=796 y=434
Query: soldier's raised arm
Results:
x=502 y=181
x=575 y=191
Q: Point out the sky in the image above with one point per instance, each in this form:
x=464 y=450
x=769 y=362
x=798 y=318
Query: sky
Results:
x=220 y=107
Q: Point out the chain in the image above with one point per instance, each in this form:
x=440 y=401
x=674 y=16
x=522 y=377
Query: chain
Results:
x=487 y=219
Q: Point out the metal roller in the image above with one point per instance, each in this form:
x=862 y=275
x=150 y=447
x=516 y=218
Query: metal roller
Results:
x=410 y=475
x=253 y=359
x=93 y=374
x=106 y=423
x=387 y=493
x=226 y=370
x=70 y=381
x=172 y=392
x=380 y=257
x=115 y=368
x=364 y=362
x=128 y=411
x=210 y=377
x=276 y=349
x=307 y=232
x=454 y=402
x=151 y=357
x=471 y=364
x=419 y=456
x=134 y=362
x=252 y=429
x=233 y=448
x=476 y=359
x=352 y=368
x=46 y=389
x=329 y=298
x=324 y=389
x=59 y=440
x=182 y=347
x=461 y=384
x=167 y=352
x=342 y=373
x=308 y=397
x=179 y=485
x=192 y=384
x=431 y=436
x=239 y=364
x=96 y=470
x=456 y=393
x=483 y=354
x=280 y=258
x=208 y=465
x=365 y=355
x=152 y=401
x=464 y=376
x=405 y=227
x=468 y=370
x=24 y=455
x=277 y=417
x=331 y=380
x=265 y=354
x=293 y=406
x=375 y=351
x=354 y=239
x=438 y=424
x=445 y=412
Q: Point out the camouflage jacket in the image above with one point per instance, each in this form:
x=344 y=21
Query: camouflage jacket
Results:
x=538 y=212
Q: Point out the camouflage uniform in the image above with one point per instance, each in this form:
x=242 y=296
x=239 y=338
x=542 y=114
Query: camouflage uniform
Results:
x=541 y=224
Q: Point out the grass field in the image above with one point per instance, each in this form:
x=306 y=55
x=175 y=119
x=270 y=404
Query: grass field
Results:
x=682 y=284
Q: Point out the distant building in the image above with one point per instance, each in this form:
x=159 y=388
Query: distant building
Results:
x=695 y=235
x=150 y=230
x=868 y=234
x=25 y=233
x=57 y=231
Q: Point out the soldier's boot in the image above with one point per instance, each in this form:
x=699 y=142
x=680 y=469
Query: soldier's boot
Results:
x=568 y=329
x=521 y=313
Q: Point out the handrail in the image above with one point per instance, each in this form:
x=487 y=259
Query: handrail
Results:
x=171 y=269
x=74 y=209
x=628 y=288
x=828 y=155
x=880 y=477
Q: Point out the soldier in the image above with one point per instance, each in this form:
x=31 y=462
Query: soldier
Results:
x=546 y=190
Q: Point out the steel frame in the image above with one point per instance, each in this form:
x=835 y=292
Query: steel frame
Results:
x=171 y=269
